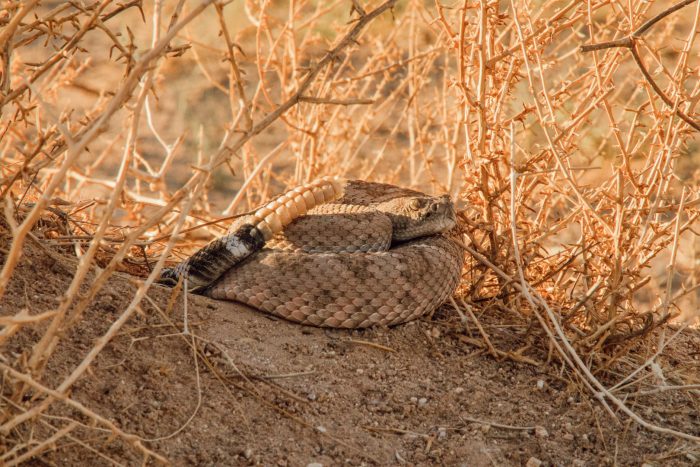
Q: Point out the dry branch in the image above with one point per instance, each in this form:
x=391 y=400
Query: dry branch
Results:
x=630 y=42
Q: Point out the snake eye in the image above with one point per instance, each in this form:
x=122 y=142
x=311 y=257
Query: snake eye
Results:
x=415 y=204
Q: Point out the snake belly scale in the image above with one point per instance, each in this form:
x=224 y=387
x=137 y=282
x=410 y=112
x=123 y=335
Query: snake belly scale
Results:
x=357 y=254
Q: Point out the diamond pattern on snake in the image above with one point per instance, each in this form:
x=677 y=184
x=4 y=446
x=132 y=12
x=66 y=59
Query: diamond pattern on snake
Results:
x=335 y=253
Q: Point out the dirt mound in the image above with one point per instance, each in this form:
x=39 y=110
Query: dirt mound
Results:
x=272 y=393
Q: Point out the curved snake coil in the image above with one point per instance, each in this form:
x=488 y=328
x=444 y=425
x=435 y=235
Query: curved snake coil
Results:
x=249 y=234
x=370 y=254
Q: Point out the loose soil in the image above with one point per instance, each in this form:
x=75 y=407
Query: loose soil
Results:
x=267 y=392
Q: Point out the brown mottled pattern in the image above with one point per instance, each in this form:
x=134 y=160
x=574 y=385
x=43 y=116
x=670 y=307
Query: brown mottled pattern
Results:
x=336 y=267
x=348 y=229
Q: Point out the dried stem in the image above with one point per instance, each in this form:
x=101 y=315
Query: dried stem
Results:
x=630 y=42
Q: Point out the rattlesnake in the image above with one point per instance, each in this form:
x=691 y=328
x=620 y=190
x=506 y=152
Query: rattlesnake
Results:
x=335 y=253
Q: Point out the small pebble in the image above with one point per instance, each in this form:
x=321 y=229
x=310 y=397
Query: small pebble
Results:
x=459 y=390
x=533 y=462
x=414 y=399
x=568 y=437
x=311 y=396
x=321 y=429
x=248 y=453
x=540 y=384
x=442 y=433
x=422 y=401
x=541 y=432
x=314 y=464
x=485 y=428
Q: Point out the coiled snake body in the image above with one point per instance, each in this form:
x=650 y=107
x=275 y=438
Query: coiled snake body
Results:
x=371 y=254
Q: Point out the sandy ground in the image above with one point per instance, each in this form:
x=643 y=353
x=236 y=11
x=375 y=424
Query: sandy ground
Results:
x=268 y=392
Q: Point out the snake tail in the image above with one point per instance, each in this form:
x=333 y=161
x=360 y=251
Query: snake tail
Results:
x=209 y=263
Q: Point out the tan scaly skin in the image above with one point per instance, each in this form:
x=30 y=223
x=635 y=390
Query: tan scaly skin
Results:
x=249 y=234
x=379 y=254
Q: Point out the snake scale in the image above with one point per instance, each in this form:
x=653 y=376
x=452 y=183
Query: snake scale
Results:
x=335 y=253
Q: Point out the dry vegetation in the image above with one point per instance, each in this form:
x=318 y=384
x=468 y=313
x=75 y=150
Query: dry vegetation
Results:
x=131 y=132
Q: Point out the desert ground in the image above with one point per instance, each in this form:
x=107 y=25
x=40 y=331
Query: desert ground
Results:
x=269 y=392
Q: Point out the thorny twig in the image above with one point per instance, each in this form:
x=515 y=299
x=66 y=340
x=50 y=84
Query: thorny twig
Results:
x=630 y=42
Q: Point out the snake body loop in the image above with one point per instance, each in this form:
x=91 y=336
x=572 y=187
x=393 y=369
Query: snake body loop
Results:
x=250 y=233
x=336 y=254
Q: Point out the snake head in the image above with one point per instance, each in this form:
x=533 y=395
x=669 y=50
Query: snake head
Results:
x=419 y=215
